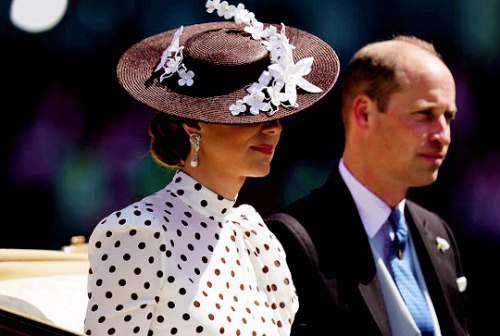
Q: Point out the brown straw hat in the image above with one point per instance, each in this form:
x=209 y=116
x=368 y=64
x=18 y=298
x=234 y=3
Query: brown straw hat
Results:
x=225 y=61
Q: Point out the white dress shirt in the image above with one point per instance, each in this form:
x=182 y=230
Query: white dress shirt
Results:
x=374 y=213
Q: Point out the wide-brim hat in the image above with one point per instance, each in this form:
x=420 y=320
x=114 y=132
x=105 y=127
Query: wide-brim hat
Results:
x=225 y=61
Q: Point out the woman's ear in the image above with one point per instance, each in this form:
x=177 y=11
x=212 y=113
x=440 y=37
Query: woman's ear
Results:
x=191 y=127
x=363 y=108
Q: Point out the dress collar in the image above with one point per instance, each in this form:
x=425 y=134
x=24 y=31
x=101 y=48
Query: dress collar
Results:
x=199 y=197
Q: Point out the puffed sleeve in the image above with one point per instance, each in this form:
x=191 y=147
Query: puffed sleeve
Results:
x=127 y=254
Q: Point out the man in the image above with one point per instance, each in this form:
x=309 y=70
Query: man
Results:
x=364 y=259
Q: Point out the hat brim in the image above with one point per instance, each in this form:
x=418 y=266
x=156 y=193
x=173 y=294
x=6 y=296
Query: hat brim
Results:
x=135 y=69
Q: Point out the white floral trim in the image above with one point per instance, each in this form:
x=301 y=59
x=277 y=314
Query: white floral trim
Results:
x=171 y=62
x=276 y=86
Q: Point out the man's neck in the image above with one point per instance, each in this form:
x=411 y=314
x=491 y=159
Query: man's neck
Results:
x=387 y=190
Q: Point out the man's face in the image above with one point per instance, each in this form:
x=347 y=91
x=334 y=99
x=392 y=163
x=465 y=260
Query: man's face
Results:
x=411 y=138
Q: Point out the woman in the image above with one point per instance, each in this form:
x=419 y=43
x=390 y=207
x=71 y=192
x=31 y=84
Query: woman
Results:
x=184 y=261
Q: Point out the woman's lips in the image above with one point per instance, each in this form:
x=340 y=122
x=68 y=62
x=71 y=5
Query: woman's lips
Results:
x=263 y=148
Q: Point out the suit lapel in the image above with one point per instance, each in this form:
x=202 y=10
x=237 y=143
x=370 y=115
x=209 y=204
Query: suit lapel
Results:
x=355 y=269
x=372 y=294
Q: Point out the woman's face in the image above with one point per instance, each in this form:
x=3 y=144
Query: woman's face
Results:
x=238 y=150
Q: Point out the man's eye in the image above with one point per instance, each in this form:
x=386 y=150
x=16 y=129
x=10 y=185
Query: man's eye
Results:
x=423 y=113
x=449 y=116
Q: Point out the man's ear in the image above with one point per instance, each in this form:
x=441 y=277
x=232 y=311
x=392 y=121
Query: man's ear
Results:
x=363 y=108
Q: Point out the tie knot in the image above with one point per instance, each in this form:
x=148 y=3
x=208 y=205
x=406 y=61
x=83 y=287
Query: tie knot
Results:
x=397 y=221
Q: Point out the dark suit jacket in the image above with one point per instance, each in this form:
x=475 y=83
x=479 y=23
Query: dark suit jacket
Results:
x=334 y=271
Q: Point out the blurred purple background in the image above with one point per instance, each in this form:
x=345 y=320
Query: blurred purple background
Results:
x=77 y=146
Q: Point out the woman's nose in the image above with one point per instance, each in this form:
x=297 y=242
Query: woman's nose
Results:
x=272 y=127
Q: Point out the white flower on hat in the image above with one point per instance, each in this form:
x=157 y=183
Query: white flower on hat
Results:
x=256 y=29
x=264 y=80
x=286 y=75
x=277 y=86
x=242 y=15
x=277 y=97
x=256 y=102
x=186 y=77
x=213 y=5
x=238 y=107
x=171 y=62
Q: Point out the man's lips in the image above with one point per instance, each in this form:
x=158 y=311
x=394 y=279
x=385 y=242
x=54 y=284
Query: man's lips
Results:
x=435 y=157
x=263 y=148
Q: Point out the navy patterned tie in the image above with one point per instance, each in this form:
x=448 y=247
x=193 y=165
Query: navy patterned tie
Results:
x=398 y=257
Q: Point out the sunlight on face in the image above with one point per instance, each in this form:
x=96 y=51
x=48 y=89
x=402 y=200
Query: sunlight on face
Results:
x=411 y=138
x=239 y=150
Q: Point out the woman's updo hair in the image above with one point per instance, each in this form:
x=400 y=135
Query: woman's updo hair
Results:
x=169 y=140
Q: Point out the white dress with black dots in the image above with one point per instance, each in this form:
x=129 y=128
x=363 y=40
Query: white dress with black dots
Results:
x=183 y=261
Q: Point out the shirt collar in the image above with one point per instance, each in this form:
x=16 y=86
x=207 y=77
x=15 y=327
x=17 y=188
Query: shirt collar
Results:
x=371 y=208
x=199 y=197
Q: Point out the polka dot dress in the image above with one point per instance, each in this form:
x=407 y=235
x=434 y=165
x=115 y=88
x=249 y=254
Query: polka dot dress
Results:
x=183 y=261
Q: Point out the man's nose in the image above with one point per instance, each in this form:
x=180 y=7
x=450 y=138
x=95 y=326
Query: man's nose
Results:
x=441 y=131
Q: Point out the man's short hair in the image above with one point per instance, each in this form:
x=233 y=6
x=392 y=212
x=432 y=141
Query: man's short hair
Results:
x=374 y=74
